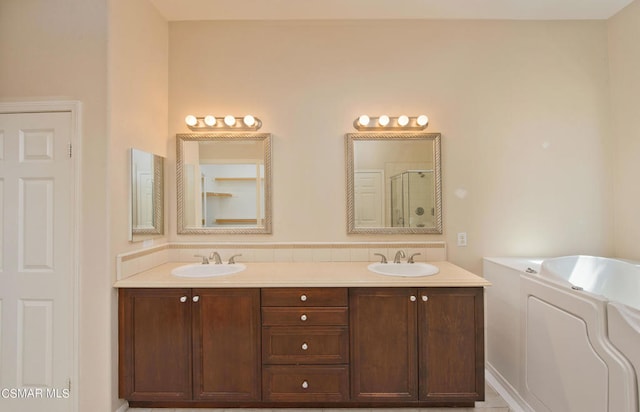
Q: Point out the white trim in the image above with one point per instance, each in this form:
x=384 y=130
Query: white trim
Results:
x=74 y=107
x=505 y=390
x=123 y=408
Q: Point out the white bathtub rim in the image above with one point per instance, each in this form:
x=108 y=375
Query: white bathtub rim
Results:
x=551 y=270
x=521 y=264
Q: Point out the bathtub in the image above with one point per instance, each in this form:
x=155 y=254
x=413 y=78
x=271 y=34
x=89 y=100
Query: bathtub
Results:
x=617 y=282
x=548 y=344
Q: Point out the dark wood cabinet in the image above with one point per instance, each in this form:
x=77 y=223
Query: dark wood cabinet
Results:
x=305 y=345
x=451 y=350
x=317 y=347
x=184 y=344
x=226 y=344
x=384 y=357
x=417 y=344
x=155 y=344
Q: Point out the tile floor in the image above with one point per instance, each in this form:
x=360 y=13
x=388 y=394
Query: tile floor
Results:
x=493 y=403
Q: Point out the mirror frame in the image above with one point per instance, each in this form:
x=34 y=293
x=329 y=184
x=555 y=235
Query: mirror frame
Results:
x=350 y=139
x=158 y=201
x=223 y=137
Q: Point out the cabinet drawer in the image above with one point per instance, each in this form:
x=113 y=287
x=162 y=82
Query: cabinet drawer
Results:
x=305 y=345
x=304 y=297
x=293 y=316
x=305 y=383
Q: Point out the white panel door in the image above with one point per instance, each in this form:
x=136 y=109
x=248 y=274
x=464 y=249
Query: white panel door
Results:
x=36 y=272
x=368 y=198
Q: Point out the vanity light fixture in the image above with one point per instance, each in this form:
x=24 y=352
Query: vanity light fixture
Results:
x=384 y=122
x=226 y=123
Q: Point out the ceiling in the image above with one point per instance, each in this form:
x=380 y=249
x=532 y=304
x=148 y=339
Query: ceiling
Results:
x=175 y=10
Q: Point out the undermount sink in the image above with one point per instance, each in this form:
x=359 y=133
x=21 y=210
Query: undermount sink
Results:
x=403 y=269
x=198 y=270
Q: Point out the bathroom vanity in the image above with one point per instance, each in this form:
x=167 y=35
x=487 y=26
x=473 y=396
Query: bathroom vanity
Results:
x=303 y=334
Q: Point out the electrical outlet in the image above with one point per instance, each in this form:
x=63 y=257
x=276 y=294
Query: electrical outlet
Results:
x=462 y=239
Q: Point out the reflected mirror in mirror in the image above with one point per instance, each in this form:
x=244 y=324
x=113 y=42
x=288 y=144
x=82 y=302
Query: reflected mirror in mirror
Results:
x=224 y=183
x=393 y=183
x=147 y=195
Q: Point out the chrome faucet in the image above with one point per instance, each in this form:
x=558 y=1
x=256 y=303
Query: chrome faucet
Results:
x=216 y=258
x=410 y=260
x=232 y=259
x=399 y=254
x=383 y=258
x=205 y=259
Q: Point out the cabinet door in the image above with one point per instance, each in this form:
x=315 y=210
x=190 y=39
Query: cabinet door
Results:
x=226 y=344
x=155 y=344
x=384 y=354
x=451 y=328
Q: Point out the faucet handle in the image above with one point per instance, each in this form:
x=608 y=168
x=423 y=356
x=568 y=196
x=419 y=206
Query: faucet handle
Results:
x=232 y=259
x=383 y=258
x=205 y=259
x=410 y=260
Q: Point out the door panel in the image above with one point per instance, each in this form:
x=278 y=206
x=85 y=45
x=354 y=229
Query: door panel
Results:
x=452 y=344
x=155 y=342
x=384 y=353
x=226 y=344
x=36 y=271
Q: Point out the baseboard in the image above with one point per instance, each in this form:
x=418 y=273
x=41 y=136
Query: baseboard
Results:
x=123 y=408
x=503 y=387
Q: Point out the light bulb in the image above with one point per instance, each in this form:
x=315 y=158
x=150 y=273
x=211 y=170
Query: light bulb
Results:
x=403 y=120
x=422 y=120
x=210 y=120
x=229 y=120
x=383 y=120
x=363 y=120
x=191 y=120
x=249 y=120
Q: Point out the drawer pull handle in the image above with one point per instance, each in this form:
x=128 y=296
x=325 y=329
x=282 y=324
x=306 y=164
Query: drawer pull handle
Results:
x=303 y=317
x=425 y=298
x=196 y=298
x=183 y=299
x=412 y=298
x=303 y=298
x=305 y=384
x=305 y=346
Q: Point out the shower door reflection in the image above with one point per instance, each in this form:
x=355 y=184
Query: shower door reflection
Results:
x=412 y=199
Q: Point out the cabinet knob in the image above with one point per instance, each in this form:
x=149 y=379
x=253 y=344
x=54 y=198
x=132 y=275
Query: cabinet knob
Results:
x=183 y=299
x=305 y=346
x=303 y=298
x=425 y=298
x=413 y=298
x=196 y=298
x=305 y=384
x=303 y=317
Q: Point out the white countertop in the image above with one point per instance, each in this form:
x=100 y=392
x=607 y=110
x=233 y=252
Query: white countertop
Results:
x=303 y=274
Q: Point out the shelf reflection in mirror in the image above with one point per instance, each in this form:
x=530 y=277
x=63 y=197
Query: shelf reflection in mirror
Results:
x=393 y=183
x=224 y=183
x=147 y=195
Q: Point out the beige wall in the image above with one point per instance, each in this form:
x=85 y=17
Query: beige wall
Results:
x=137 y=67
x=624 y=63
x=57 y=50
x=522 y=108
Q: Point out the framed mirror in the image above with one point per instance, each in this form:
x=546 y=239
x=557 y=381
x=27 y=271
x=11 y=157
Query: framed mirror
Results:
x=147 y=195
x=393 y=183
x=224 y=183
